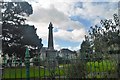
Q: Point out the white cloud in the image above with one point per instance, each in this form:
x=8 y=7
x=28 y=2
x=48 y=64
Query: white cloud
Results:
x=46 y=15
x=57 y=47
x=94 y=12
x=77 y=35
x=105 y=0
x=70 y=1
x=59 y=11
x=74 y=48
x=42 y=16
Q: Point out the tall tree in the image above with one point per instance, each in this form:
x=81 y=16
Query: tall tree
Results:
x=102 y=39
x=107 y=36
x=85 y=47
x=16 y=35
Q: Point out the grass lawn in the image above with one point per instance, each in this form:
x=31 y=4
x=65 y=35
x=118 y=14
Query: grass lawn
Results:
x=35 y=72
x=101 y=66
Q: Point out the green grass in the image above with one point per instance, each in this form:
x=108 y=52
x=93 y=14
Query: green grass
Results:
x=35 y=72
x=101 y=66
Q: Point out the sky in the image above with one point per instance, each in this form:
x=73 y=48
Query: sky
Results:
x=71 y=19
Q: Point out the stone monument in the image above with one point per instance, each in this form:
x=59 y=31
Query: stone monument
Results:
x=51 y=53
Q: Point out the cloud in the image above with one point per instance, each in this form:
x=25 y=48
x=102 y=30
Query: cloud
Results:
x=59 y=12
x=57 y=47
x=74 y=48
x=93 y=11
x=42 y=16
x=105 y=0
x=77 y=35
x=13 y=0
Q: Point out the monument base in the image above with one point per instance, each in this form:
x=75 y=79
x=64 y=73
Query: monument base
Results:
x=52 y=63
x=51 y=54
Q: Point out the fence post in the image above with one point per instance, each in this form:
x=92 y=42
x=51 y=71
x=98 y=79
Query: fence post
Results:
x=119 y=66
x=4 y=61
x=27 y=61
x=3 y=65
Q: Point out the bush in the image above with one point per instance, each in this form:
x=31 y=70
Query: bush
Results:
x=36 y=61
x=76 y=69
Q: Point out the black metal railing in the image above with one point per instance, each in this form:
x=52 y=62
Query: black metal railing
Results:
x=95 y=67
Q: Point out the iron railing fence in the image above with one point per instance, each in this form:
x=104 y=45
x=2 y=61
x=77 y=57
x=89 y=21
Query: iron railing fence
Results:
x=95 y=67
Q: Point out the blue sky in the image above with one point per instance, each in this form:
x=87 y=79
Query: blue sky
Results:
x=85 y=22
x=71 y=19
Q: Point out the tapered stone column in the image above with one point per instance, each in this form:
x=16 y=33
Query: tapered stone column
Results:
x=50 y=37
x=51 y=53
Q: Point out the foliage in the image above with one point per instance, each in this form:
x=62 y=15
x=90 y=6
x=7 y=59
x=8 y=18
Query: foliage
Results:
x=85 y=46
x=60 y=60
x=16 y=35
x=102 y=38
x=76 y=69
x=37 y=61
x=106 y=37
x=103 y=41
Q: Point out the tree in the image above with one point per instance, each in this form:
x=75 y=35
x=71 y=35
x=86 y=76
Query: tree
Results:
x=112 y=33
x=85 y=47
x=107 y=36
x=102 y=39
x=16 y=35
x=77 y=69
x=59 y=59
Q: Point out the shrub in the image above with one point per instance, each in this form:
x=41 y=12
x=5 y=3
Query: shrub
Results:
x=76 y=69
